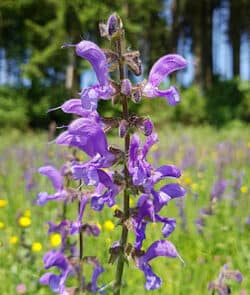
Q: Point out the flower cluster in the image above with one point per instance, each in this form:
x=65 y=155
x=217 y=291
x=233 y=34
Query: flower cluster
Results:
x=222 y=283
x=109 y=170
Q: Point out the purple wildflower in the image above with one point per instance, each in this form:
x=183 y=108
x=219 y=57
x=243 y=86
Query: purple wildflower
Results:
x=163 y=67
x=93 y=54
x=158 y=248
x=87 y=135
x=57 y=181
x=218 y=189
x=225 y=275
x=56 y=282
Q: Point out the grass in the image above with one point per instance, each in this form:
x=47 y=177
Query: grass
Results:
x=225 y=238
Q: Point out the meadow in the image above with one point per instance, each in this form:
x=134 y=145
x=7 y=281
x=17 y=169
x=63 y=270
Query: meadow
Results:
x=213 y=224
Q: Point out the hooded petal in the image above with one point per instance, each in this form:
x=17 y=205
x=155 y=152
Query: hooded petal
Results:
x=54 y=175
x=165 y=66
x=160 y=248
x=55 y=258
x=85 y=134
x=174 y=190
x=93 y=54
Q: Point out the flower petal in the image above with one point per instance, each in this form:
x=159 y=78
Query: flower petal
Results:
x=165 y=66
x=152 y=280
x=54 y=175
x=93 y=54
x=174 y=190
x=159 y=248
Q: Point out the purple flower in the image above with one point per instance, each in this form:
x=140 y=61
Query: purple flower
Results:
x=225 y=275
x=163 y=67
x=138 y=167
x=102 y=196
x=56 y=282
x=76 y=226
x=218 y=189
x=74 y=106
x=148 y=209
x=57 y=181
x=93 y=54
x=87 y=135
x=158 y=248
x=143 y=174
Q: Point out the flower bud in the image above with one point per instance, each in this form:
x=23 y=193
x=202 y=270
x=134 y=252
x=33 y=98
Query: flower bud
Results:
x=147 y=127
x=136 y=94
x=126 y=87
x=114 y=25
x=123 y=128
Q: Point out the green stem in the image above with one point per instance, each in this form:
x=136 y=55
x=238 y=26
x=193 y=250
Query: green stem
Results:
x=124 y=235
x=80 y=236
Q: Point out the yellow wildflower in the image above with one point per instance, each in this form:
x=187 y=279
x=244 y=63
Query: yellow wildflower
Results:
x=24 y=221
x=36 y=247
x=187 y=180
x=244 y=189
x=2 y=225
x=13 y=240
x=55 y=240
x=131 y=202
x=27 y=213
x=248 y=144
x=109 y=225
x=3 y=203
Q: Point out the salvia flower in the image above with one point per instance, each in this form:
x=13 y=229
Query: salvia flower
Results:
x=57 y=181
x=162 y=68
x=56 y=283
x=158 y=248
x=110 y=170
x=104 y=90
x=222 y=283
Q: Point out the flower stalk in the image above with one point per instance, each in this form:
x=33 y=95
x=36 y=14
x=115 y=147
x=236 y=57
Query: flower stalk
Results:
x=111 y=171
x=125 y=115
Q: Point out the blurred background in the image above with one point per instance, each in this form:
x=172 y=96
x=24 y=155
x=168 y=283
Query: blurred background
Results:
x=213 y=35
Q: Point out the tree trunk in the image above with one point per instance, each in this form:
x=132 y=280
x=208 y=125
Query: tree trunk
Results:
x=206 y=53
x=235 y=34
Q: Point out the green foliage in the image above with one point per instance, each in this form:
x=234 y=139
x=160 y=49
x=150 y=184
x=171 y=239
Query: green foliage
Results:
x=244 y=108
x=13 y=108
x=223 y=101
x=191 y=110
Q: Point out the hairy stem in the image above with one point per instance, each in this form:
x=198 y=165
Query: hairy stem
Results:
x=124 y=235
